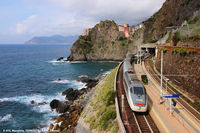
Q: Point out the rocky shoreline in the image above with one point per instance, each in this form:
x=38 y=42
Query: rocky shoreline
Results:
x=71 y=108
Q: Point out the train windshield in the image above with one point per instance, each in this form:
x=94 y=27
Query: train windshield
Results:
x=138 y=91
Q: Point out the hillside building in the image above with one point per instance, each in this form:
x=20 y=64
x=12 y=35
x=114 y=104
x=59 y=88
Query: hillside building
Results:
x=85 y=32
x=125 y=29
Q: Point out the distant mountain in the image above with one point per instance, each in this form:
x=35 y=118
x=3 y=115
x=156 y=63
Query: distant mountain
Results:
x=56 y=39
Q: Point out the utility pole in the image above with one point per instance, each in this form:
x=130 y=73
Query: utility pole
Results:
x=166 y=84
x=188 y=29
x=161 y=72
x=140 y=60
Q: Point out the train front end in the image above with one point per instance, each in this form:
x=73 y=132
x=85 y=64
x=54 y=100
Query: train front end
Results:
x=139 y=99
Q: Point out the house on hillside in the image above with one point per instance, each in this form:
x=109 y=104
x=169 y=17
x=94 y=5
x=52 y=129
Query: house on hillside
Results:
x=85 y=32
x=125 y=29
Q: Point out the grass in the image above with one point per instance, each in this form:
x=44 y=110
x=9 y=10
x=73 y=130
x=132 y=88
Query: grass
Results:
x=103 y=117
x=169 y=37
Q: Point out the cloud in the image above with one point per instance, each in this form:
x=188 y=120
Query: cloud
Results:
x=75 y=15
x=45 y=25
x=26 y=25
x=129 y=11
x=70 y=17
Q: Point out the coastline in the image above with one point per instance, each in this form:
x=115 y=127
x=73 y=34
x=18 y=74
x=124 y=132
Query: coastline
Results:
x=67 y=122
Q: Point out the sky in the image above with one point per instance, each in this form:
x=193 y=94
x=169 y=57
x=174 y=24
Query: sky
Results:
x=20 y=20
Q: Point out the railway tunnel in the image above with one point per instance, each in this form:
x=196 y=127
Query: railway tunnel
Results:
x=149 y=48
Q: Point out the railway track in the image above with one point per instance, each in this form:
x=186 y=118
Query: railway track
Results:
x=133 y=122
x=182 y=102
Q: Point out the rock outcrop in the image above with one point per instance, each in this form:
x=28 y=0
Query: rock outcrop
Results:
x=90 y=83
x=61 y=107
x=71 y=108
x=103 y=42
x=60 y=58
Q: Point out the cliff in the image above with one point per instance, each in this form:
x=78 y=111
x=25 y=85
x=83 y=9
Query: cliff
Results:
x=103 y=42
x=172 y=13
x=106 y=42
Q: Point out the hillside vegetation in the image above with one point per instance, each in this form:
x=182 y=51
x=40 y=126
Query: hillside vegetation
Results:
x=172 y=13
x=100 y=114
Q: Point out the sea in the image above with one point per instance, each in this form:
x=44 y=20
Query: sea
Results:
x=31 y=72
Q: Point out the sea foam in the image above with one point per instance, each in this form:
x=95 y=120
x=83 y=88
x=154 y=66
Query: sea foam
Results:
x=61 y=81
x=5 y=118
x=72 y=83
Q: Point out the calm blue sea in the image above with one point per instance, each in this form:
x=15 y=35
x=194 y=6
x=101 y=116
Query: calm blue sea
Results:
x=30 y=72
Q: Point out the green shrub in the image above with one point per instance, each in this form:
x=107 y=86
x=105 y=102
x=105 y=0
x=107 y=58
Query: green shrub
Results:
x=197 y=103
x=178 y=35
x=101 y=110
x=91 y=119
x=113 y=42
x=153 y=41
x=193 y=21
x=196 y=36
x=93 y=122
x=144 y=79
x=115 y=127
x=129 y=41
x=174 y=51
x=169 y=37
x=187 y=2
x=182 y=51
x=123 y=44
x=135 y=60
x=86 y=38
x=191 y=51
x=88 y=46
x=164 y=50
x=151 y=19
x=121 y=38
x=104 y=120
x=109 y=98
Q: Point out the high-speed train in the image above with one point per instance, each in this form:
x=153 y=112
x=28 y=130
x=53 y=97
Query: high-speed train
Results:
x=135 y=91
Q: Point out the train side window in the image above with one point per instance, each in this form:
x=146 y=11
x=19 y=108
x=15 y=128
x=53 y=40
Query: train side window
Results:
x=131 y=90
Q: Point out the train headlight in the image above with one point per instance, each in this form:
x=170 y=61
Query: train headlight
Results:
x=140 y=104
